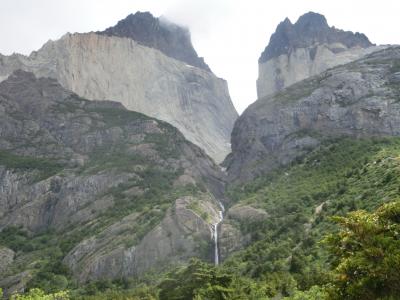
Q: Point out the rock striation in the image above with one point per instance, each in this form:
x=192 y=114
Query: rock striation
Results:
x=116 y=186
x=6 y=259
x=306 y=48
x=147 y=65
x=359 y=99
x=181 y=235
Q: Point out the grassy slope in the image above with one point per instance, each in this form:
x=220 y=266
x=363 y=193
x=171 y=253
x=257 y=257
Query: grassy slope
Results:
x=345 y=175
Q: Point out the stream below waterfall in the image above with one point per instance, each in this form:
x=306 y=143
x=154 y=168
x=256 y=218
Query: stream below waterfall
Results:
x=215 y=232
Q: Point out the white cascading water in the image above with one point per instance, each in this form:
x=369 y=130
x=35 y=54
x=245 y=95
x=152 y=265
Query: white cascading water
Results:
x=214 y=228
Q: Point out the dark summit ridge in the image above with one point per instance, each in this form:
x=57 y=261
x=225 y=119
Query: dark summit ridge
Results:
x=158 y=33
x=311 y=28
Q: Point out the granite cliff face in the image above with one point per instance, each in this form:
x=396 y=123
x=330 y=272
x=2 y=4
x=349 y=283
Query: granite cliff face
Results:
x=357 y=99
x=149 y=67
x=123 y=193
x=306 y=48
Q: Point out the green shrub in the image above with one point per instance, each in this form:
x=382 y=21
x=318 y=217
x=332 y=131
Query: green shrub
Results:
x=366 y=254
x=38 y=294
x=45 y=167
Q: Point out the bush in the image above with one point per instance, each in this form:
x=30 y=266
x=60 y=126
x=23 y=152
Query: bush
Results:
x=367 y=255
x=38 y=294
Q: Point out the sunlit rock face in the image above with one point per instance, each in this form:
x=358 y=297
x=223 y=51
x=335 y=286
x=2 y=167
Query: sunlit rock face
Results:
x=156 y=72
x=306 y=48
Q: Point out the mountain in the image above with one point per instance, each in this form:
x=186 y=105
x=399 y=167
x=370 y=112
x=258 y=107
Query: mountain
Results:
x=325 y=146
x=109 y=203
x=158 y=33
x=147 y=64
x=306 y=48
x=105 y=191
x=359 y=99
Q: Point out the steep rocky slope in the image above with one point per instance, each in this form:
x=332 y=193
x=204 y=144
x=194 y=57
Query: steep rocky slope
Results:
x=306 y=48
x=110 y=192
x=358 y=99
x=157 y=73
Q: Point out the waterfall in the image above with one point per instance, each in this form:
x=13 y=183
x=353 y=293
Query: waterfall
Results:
x=214 y=228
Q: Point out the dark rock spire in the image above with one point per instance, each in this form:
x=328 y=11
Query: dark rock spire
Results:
x=158 y=33
x=310 y=29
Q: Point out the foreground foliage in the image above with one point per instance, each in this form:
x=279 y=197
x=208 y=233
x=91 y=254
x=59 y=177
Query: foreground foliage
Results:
x=367 y=255
x=200 y=281
x=38 y=294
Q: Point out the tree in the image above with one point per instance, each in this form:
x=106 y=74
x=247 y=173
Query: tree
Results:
x=367 y=255
x=38 y=294
x=198 y=279
x=314 y=293
x=202 y=281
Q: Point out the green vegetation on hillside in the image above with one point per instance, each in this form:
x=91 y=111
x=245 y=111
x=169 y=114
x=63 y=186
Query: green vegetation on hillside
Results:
x=44 y=255
x=144 y=154
x=45 y=167
x=288 y=256
x=338 y=177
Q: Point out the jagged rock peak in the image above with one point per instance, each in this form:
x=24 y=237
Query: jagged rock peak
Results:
x=311 y=28
x=159 y=33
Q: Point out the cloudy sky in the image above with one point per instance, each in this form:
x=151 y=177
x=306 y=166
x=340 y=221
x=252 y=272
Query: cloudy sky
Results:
x=230 y=34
